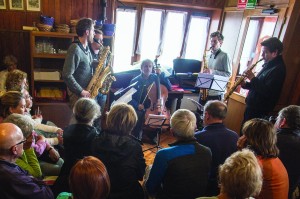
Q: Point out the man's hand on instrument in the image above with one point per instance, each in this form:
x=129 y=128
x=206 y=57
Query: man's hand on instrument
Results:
x=141 y=107
x=85 y=93
x=249 y=74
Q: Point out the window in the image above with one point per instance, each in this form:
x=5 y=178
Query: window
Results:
x=163 y=33
x=196 y=37
x=124 y=38
x=150 y=33
x=174 y=25
x=251 y=50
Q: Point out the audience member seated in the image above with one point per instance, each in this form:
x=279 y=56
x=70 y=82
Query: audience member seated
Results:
x=28 y=160
x=50 y=166
x=78 y=139
x=88 y=179
x=260 y=136
x=16 y=80
x=10 y=63
x=38 y=117
x=288 y=142
x=182 y=170
x=140 y=101
x=121 y=153
x=220 y=140
x=240 y=176
x=14 y=102
x=14 y=181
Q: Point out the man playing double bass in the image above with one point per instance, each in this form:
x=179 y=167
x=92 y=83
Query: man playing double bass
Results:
x=140 y=101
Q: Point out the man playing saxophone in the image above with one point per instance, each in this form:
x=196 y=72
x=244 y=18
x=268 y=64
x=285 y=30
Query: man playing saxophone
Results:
x=218 y=64
x=77 y=70
x=265 y=88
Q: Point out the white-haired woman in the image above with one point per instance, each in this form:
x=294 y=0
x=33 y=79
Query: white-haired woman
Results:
x=77 y=139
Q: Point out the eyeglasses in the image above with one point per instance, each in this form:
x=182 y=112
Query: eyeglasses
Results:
x=21 y=142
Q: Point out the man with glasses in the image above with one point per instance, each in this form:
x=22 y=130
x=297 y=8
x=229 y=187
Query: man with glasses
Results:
x=14 y=181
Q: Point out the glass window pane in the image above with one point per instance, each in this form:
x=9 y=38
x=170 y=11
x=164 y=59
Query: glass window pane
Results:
x=150 y=34
x=196 y=38
x=173 y=37
x=124 y=39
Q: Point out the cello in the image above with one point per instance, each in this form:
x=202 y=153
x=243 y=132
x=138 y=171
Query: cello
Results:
x=158 y=95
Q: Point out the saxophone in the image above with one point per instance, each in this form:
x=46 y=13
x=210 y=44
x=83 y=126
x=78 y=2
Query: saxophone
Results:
x=103 y=77
x=239 y=81
x=204 y=92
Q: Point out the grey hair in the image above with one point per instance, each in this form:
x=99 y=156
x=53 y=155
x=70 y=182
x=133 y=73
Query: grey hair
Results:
x=25 y=123
x=86 y=110
x=292 y=115
x=145 y=61
x=183 y=123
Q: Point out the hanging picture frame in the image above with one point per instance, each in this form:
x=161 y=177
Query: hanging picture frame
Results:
x=2 y=4
x=16 y=5
x=33 y=5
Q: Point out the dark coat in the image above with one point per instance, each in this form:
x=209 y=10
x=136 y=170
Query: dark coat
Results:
x=125 y=163
x=265 y=88
x=77 y=144
x=288 y=142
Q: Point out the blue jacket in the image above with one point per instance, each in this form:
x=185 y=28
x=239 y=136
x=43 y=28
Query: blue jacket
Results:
x=180 y=171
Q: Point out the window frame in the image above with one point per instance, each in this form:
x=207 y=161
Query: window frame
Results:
x=190 y=11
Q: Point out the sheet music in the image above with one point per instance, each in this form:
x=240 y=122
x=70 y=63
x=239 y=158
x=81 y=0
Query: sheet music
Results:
x=126 y=98
x=210 y=81
x=219 y=83
x=123 y=89
x=155 y=120
x=204 y=80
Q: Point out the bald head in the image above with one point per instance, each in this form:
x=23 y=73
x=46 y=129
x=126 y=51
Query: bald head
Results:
x=10 y=135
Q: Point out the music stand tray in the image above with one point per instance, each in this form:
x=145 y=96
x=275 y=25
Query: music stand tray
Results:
x=210 y=81
x=156 y=122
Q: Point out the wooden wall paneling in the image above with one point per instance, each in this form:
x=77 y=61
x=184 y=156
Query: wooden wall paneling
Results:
x=68 y=11
x=233 y=3
x=295 y=98
x=291 y=55
x=51 y=10
x=210 y=3
x=45 y=7
x=90 y=9
x=57 y=10
x=235 y=112
x=272 y=2
x=81 y=6
x=96 y=9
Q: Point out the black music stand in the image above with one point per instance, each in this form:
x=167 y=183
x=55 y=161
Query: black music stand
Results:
x=155 y=121
x=210 y=81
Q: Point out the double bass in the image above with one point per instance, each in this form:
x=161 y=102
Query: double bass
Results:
x=158 y=95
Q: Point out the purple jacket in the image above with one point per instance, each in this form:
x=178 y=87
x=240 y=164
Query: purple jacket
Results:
x=17 y=183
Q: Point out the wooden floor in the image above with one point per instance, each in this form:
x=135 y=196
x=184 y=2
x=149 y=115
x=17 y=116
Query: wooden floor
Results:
x=165 y=139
